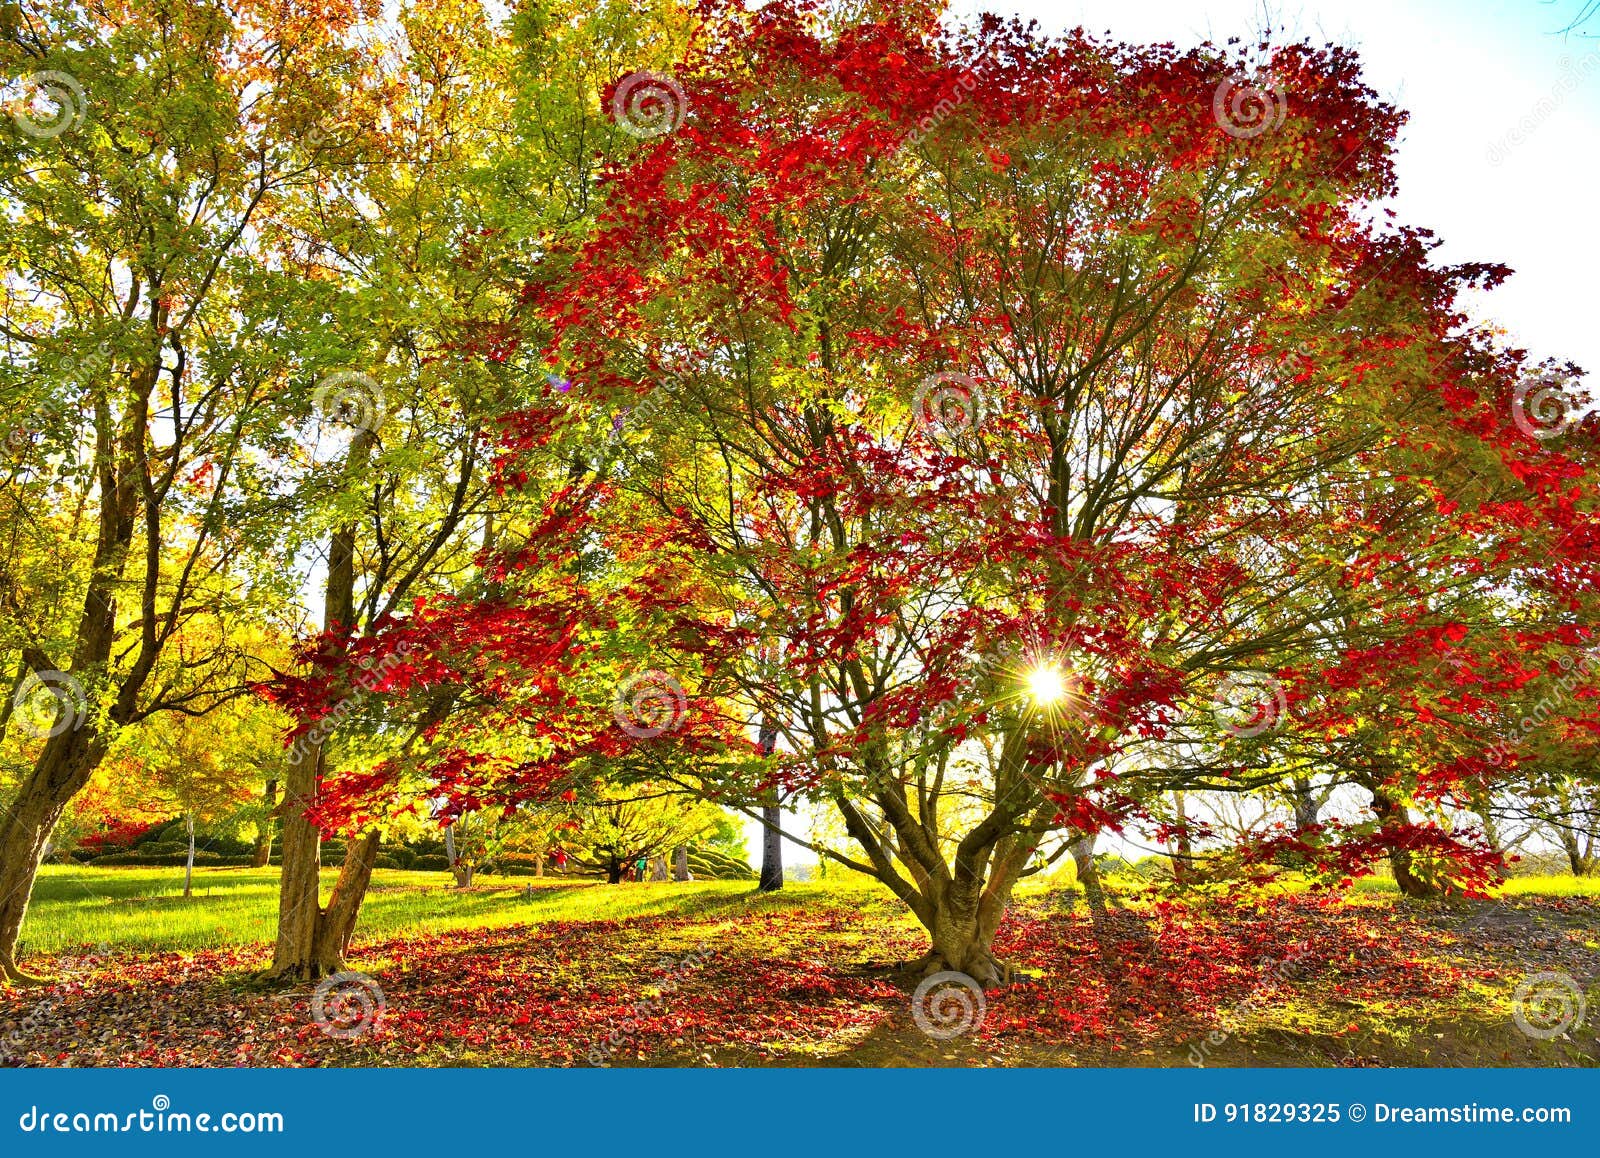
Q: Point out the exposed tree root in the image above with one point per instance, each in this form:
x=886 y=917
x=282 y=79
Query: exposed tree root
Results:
x=12 y=975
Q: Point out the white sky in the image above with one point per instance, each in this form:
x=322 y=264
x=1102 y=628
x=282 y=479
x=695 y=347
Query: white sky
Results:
x=1468 y=72
x=1501 y=156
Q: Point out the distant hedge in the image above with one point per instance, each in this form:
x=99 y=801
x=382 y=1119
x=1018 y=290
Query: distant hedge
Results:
x=167 y=859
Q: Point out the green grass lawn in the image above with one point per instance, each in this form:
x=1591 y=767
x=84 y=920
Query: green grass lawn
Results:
x=144 y=908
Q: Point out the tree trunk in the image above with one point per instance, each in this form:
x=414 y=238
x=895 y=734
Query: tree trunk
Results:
x=614 y=871
x=1094 y=893
x=1183 y=854
x=1305 y=807
x=1574 y=851
x=69 y=758
x=961 y=931
x=538 y=864
x=263 y=850
x=680 y=863
x=1483 y=805
x=312 y=938
x=337 y=923
x=299 y=884
x=460 y=869
x=771 y=850
x=658 y=868
x=304 y=949
x=63 y=767
x=1392 y=814
x=771 y=841
x=188 y=865
x=1580 y=856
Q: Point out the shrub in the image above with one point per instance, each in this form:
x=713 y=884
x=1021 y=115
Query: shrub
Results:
x=117 y=836
x=402 y=856
x=526 y=860
x=165 y=859
x=433 y=862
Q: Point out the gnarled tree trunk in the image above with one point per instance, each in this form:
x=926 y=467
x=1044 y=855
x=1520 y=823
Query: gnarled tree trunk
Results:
x=1392 y=814
x=961 y=924
x=63 y=768
x=313 y=938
